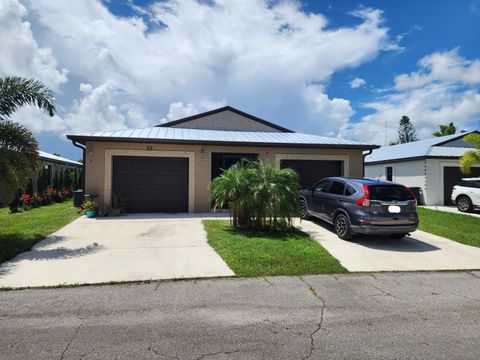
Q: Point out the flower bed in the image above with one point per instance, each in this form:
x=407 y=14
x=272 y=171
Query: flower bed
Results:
x=50 y=195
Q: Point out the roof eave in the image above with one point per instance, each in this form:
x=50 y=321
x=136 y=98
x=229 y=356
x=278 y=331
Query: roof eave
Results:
x=412 y=158
x=83 y=139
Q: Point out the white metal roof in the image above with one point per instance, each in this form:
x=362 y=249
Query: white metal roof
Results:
x=201 y=135
x=48 y=156
x=427 y=147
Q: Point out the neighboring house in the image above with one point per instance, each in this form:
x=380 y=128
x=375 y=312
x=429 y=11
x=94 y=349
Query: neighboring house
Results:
x=49 y=164
x=168 y=168
x=430 y=164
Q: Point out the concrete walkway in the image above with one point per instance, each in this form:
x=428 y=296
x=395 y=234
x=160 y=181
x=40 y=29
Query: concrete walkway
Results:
x=420 y=251
x=135 y=247
x=452 y=209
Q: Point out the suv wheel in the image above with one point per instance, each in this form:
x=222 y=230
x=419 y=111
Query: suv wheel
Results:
x=464 y=204
x=304 y=213
x=342 y=227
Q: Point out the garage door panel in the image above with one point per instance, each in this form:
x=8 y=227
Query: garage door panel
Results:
x=451 y=177
x=151 y=184
x=311 y=171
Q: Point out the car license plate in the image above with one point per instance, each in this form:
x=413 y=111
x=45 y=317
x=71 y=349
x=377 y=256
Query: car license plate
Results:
x=394 y=209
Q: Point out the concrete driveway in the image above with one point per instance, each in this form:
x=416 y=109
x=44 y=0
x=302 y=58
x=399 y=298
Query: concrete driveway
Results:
x=135 y=247
x=420 y=251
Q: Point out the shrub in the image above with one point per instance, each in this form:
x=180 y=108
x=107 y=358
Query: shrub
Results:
x=89 y=204
x=259 y=195
x=16 y=201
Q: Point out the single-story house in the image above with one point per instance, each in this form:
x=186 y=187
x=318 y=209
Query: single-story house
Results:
x=430 y=164
x=168 y=167
x=49 y=164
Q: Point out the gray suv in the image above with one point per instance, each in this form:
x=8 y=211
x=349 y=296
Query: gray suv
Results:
x=361 y=206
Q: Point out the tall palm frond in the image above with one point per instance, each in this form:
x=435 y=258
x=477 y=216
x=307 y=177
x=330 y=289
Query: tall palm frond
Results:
x=471 y=157
x=17 y=91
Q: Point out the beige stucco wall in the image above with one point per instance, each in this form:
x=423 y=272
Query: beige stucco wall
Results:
x=96 y=155
x=226 y=120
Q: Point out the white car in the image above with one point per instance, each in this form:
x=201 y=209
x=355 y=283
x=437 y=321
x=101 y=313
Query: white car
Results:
x=466 y=194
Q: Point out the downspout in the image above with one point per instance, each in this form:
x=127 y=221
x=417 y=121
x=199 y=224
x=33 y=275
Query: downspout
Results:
x=81 y=146
x=363 y=165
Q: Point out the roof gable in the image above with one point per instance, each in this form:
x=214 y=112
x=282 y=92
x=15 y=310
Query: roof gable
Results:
x=225 y=118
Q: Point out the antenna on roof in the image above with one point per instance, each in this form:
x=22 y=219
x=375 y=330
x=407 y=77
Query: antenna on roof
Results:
x=385 y=132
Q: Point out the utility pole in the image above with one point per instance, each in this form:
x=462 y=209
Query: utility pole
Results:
x=386 y=133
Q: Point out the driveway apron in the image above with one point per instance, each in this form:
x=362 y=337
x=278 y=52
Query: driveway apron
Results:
x=135 y=247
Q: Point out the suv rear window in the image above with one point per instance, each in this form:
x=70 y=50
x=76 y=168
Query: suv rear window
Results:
x=389 y=193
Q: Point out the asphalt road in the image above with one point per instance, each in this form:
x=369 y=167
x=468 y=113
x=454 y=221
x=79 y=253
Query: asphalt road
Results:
x=362 y=316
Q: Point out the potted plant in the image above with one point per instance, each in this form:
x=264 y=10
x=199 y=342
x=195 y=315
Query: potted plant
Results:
x=89 y=206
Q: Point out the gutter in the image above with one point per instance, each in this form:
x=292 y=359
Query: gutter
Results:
x=363 y=161
x=82 y=139
x=81 y=146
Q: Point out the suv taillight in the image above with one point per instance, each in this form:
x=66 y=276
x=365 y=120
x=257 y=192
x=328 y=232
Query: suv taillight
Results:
x=415 y=202
x=364 y=201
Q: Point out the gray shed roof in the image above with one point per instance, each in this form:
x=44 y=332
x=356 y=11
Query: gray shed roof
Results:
x=199 y=136
x=47 y=156
x=432 y=147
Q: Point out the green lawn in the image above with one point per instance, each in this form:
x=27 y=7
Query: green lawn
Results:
x=19 y=232
x=250 y=253
x=462 y=228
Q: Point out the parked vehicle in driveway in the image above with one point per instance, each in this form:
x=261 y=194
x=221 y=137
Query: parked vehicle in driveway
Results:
x=361 y=206
x=466 y=194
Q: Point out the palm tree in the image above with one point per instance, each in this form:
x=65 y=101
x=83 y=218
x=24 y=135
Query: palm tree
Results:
x=471 y=157
x=259 y=195
x=16 y=92
x=449 y=129
x=18 y=147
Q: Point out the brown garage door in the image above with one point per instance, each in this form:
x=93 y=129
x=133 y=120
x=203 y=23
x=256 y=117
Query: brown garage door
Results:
x=311 y=171
x=451 y=177
x=151 y=184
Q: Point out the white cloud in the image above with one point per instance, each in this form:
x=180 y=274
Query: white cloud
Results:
x=96 y=111
x=180 y=110
x=443 y=90
x=39 y=121
x=256 y=55
x=357 y=82
x=21 y=54
x=441 y=66
x=331 y=115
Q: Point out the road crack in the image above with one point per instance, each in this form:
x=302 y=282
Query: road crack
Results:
x=473 y=274
x=267 y=281
x=70 y=341
x=204 y=356
x=385 y=292
x=320 y=323
x=156 y=352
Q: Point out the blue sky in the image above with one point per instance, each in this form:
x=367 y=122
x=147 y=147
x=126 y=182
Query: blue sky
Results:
x=337 y=68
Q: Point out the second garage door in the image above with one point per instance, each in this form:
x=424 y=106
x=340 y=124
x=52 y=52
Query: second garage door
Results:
x=311 y=171
x=151 y=184
x=451 y=177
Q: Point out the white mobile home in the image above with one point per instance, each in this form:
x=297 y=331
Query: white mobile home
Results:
x=430 y=164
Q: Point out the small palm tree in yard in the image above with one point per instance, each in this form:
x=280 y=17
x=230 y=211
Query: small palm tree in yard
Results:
x=18 y=147
x=259 y=195
x=471 y=157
